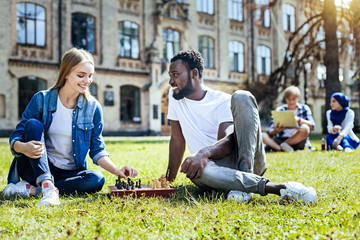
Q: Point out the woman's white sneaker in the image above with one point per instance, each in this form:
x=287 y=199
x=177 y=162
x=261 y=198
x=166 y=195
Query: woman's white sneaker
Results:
x=50 y=195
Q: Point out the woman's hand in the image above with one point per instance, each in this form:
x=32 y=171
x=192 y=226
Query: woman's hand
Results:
x=127 y=171
x=337 y=128
x=32 y=149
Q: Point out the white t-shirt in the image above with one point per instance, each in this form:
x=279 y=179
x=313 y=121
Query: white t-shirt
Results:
x=200 y=120
x=58 y=143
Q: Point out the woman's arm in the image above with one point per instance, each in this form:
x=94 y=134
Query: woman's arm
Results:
x=106 y=163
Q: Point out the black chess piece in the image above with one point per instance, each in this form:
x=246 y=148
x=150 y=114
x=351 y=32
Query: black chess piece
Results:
x=139 y=183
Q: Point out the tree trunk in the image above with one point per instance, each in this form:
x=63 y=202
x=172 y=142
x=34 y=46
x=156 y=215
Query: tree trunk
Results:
x=331 y=59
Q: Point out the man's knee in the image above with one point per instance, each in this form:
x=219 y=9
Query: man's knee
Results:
x=241 y=97
x=33 y=124
x=304 y=130
x=97 y=180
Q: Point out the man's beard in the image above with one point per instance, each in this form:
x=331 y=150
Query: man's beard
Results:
x=188 y=89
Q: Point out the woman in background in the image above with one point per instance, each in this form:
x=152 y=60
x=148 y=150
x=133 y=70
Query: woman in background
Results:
x=58 y=128
x=340 y=124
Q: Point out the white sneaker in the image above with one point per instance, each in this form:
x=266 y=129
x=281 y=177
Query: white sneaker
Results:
x=239 y=196
x=50 y=195
x=297 y=192
x=348 y=150
x=286 y=147
x=21 y=188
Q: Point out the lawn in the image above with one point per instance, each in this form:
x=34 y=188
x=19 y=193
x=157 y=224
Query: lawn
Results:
x=194 y=214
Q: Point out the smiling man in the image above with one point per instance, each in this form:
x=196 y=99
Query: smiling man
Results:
x=223 y=135
x=278 y=138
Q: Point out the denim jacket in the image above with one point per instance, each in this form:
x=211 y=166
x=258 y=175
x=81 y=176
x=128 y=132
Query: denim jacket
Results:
x=87 y=126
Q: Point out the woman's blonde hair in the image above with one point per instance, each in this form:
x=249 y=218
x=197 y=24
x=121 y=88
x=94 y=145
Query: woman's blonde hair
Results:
x=291 y=91
x=71 y=59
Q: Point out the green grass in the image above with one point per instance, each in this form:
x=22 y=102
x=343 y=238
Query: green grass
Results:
x=194 y=214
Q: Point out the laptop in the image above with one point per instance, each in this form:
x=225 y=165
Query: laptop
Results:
x=284 y=118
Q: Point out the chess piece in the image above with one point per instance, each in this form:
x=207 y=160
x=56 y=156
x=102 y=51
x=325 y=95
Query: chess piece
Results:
x=139 y=183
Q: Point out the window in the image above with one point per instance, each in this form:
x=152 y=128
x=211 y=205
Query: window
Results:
x=129 y=104
x=83 y=31
x=321 y=74
x=206 y=6
x=236 y=51
x=321 y=37
x=128 y=40
x=93 y=90
x=30 y=24
x=235 y=9
x=263 y=12
x=263 y=60
x=171 y=43
x=28 y=86
x=206 y=48
x=288 y=18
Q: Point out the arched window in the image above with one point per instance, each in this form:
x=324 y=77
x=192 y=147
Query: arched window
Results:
x=206 y=6
x=28 y=86
x=130 y=104
x=128 y=39
x=235 y=9
x=236 y=52
x=171 y=43
x=263 y=60
x=83 y=31
x=206 y=48
x=288 y=18
x=93 y=90
x=30 y=24
x=263 y=12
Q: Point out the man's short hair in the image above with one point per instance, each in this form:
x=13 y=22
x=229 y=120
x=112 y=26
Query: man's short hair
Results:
x=291 y=91
x=192 y=59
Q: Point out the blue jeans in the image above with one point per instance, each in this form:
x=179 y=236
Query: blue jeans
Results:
x=35 y=171
x=243 y=168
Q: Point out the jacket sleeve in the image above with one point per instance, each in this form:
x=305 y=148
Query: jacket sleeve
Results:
x=32 y=111
x=97 y=144
x=348 y=123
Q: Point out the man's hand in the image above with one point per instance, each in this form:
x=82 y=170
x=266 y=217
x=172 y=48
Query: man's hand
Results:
x=32 y=149
x=127 y=172
x=194 y=165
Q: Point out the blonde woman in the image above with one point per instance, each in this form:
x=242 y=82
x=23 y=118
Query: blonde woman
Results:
x=58 y=128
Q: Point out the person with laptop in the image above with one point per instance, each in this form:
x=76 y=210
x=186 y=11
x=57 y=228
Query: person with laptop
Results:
x=287 y=139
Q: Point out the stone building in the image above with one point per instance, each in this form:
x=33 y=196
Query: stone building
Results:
x=132 y=42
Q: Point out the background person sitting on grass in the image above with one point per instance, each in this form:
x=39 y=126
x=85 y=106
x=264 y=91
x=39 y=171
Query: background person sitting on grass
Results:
x=278 y=138
x=57 y=130
x=340 y=124
x=223 y=135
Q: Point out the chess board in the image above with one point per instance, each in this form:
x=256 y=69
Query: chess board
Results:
x=144 y=191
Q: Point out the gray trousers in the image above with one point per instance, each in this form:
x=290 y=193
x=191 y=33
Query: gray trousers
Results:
x=242 y=169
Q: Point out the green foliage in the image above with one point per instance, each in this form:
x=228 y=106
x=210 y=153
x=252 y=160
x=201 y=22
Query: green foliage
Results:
x=195 y=214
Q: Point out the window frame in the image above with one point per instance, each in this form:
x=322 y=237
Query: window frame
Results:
x=240 y=67
x=88 y=16
x=175 y=45
x=236 y=10
x=36 y=21
x=264 y=12
x=289 y=20
x=134 y=35
x=209 y=55
x=262 y=58
x=205 y=6
x=135 y=111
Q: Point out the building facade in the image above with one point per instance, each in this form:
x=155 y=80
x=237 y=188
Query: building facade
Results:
x=132 y=42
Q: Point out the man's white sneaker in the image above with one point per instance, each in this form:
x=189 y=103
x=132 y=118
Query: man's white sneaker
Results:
x=348 y=150
x=50 y=195
x=286 y=147
x=21 y=188
x=239 y=196
x=296 y=192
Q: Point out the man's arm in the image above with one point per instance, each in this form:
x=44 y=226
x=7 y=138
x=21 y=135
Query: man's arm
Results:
x=176 y=150
x=195 y=164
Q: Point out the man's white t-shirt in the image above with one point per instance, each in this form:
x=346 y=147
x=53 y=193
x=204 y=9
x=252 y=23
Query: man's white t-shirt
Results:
x=200 y=120
x=58 y=143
